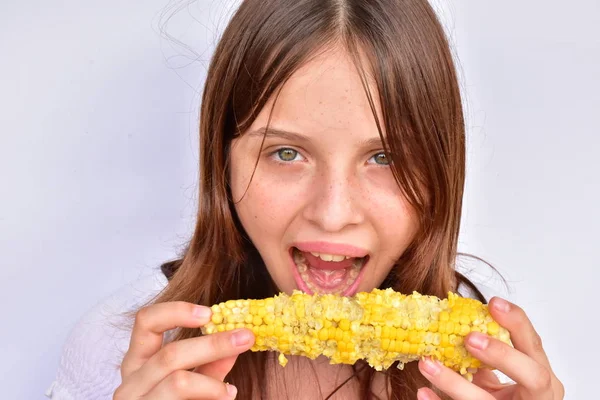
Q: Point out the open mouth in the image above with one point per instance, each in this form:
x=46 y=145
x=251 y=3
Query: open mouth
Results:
x=327 y=273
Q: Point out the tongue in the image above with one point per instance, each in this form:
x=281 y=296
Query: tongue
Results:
x=327 y=273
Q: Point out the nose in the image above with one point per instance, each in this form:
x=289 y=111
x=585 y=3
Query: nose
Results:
x=335 y=202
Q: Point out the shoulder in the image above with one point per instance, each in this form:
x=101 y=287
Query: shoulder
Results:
x=92 y=354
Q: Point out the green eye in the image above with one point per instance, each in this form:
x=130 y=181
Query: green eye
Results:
x=381 y=159
x=287 y=154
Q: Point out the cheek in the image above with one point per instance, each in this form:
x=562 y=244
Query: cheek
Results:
x=393 y=217
x=268 y=204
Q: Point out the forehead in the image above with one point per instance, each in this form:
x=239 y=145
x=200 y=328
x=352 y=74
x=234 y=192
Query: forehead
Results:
x=325 y=94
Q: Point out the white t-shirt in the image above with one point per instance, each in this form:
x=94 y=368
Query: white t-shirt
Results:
x=92 y=354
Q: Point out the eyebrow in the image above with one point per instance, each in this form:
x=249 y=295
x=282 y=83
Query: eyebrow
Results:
x=280 y=133
x=294 y=136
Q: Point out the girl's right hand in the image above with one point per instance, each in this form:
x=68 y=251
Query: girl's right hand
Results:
x=151 y=371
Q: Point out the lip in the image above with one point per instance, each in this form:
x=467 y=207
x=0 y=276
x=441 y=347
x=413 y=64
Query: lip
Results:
x=331 y=248
x=350 y=291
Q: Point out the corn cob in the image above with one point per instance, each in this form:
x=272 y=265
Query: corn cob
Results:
x=381 y=327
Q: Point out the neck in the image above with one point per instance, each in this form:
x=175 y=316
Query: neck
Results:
x=303 y=378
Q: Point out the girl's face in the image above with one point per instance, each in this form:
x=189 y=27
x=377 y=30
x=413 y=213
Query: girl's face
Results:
x=323 y=208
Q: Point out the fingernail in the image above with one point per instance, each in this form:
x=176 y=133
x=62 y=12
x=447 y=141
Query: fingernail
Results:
x=241 y=337
x=479 y=340
x=422 y=395
x=231 y=390
x=201 y=312
x=431 y=367
x=501 y=305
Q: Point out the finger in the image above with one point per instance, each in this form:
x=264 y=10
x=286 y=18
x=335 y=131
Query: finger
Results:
x=522 y=333
x=450 y=382
x=217 y=369
x=516 y=365
x=187 y=354
x=426 y=394
x=182 y=385
x=151 y=323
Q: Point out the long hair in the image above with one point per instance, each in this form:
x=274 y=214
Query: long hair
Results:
x=401 y=46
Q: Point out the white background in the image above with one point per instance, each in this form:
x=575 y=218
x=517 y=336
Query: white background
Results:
x=98 y=118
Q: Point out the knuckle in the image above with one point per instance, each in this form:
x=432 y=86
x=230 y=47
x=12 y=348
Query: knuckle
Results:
x=536 y=342
x=143 y=317
x=118 y=394
x=220 y=343
x=180 y=381
x=500 y=349
x=503 y=350
x=182 y=307
x=124 y=368
x=561 y=390
x=168 y=356
x=542 y=380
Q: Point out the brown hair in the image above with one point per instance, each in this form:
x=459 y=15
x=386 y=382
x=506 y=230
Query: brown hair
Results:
x=408 y=57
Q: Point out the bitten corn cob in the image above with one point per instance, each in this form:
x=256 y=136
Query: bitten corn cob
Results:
x=381 y=327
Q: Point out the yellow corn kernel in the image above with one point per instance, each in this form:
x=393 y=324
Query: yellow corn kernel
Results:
x=405 y=348
x=269 y=319
x=270 y=330
x=414 y=348
x=385 y=344
x=401 y=334
x=262 y=330
x=444 y=342
x=385 y=332
x=493 y=328
x=323 y=334
x=344 y=324
x=455 y=317
x=450 y=327
x=433 y=326
x=413 y=337
x=393 y=333
x=216 y=318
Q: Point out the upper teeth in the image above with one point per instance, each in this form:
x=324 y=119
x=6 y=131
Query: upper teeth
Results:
x=330 y=257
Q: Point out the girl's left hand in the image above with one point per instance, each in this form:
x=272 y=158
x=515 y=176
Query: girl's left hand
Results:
x=526 y=364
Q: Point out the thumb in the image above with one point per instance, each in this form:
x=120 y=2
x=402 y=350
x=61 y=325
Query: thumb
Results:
x=217 y=369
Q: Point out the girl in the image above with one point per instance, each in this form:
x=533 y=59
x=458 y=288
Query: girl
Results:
x=332 y=130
